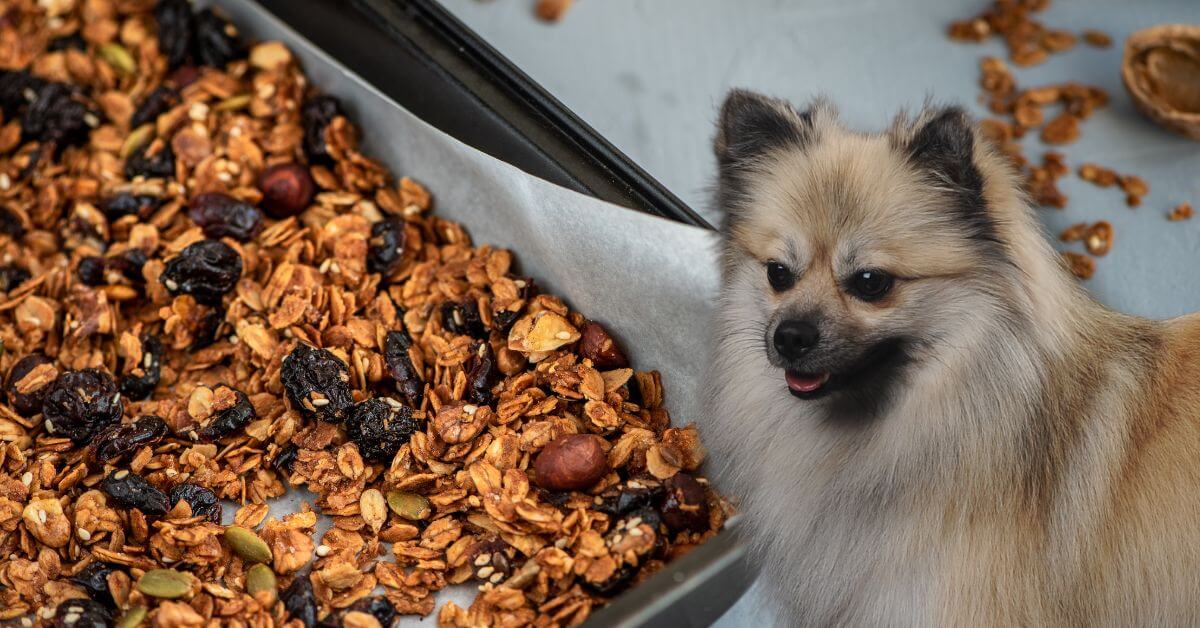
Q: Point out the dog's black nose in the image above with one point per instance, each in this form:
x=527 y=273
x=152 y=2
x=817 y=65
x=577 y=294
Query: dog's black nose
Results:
x=794 y=338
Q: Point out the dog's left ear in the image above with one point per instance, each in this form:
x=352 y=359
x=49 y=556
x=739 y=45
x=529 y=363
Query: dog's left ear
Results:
x=943 y=145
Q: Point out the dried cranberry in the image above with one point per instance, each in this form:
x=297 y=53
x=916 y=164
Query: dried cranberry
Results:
x=11 y=223
x=684 y=505
x=11 y=277
x=74 y=41
x=152 y=160
x=206 y=270
x=299 y=602
x=80 y=403
x=204 y=503
x=116 y=441
x=463 y=318
x=175 y=28
x=126 y=204
x=78 y=613
x=139 y=383
x=157 y=102
x=386 y=245
x=482 y=374
x=287 y=189
x=400 y=365
x=216 y=40
x=317 y=383
x=130 y=490
x=228 y=420
x=30 y=403
x=91 y=271
x=380 y=427
x=58 y=117
x=376 y=606
x=316 y=115
x=129 y=263
x=286 y=457
x=220 y=215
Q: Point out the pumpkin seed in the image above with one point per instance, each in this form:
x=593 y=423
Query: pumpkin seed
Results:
x=247 y=544
x=164 y=583
x=260 y=578
x=132 y=617
x=118 y=57
x=411 y=506
x=137 y=138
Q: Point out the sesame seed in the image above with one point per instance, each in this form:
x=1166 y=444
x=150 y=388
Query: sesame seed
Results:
x=170 y=284
x=71 y=618
x=470 y=409
x=485 y=571
x=49 y=427
x=84 y=534
x=482 y=559
x=636 y=532
x=120 y=475
x=323 y=550
x=41 y=515
x=563 y=335
x=496 y=578
x=561 y=543
x=320 y=403
x=27 y=478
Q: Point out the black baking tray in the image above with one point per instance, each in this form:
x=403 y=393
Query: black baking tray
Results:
x=425 y=59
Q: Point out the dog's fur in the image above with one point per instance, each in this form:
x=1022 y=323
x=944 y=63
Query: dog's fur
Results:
x=1024 y=457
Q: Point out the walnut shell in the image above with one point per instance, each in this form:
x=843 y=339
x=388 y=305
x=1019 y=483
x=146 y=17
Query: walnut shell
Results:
x=1161 y=70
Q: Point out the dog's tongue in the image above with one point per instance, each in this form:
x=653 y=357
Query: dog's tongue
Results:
x=806 y=382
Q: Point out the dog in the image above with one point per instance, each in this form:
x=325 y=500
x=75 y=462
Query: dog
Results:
x=927 y=421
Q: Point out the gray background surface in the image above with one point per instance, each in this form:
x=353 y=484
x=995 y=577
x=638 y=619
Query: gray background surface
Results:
x=650 y=74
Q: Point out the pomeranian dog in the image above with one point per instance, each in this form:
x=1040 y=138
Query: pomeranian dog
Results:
x=927 y=420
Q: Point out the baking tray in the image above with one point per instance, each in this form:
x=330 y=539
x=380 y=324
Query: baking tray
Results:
x=419 y=55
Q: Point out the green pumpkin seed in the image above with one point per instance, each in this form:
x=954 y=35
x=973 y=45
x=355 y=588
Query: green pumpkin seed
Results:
x=132 y=617
x=118 y=57
x=247 y=544
x=164 y=583
x=233 y=103
x=136 y=139
x=411 y=506
x=260 y=578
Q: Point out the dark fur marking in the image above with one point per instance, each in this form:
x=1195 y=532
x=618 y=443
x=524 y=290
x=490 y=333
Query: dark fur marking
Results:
x=945 y=147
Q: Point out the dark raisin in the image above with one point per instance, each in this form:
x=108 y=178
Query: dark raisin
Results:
x=29 y=403
x=380 y=427
x=400 y=365
x=230 y=419
x=386 y=245
x=220 y=215
x=58 y=117
x=208 y=327
x=482 y=374
x=91 y=271
x=499 y=556
x=139 y=383
x=15 y=86
x=129 y=263
x=299 y=602
x=216 y=40
x=130 y=490
x=376 y=606
x=684 y=505
x=629 y=499
x=286 y=457
x=126 y=204
x=11 y=223
x=152 y=160
x=157 y=102
x=116 y=441
x=503 y=320
x=316 y=115
x=11 y=277
x=80 y=613
x=317 y=383
x=204 y=502
x=80 y=403
x=463 y=318
x=74 y=41
x=94 y=580
x=206 y=270
x=175 y=28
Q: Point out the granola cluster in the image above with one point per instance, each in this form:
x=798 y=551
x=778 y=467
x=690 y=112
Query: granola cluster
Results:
x=209 y=295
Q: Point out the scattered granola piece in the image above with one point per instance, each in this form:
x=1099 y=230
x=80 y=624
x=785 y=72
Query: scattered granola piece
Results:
x=1182 y=211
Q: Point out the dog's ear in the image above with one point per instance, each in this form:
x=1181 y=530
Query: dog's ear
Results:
x=943 y=145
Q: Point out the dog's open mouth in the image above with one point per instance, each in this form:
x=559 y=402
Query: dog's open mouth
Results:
x=883 y=360
x=806 y=385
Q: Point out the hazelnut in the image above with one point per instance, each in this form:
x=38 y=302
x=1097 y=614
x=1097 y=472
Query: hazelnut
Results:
x=684 y=506
x=599 y=347
x=571 y=462
x=287 y=189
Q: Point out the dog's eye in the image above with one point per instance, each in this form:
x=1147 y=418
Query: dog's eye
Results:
x=779 y=276
x=869 y=285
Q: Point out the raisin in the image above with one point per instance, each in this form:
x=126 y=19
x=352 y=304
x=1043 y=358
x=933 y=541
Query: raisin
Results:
x=498 y=556
x=152 y=160
x=629 y=499
x=206 y=270
x=130 y=490
x=30 y=403
x=129 y=263
x=74 y=41
x=387 y=246
x=204 y=502
x=400 y=365
x=157 y=102
x=183 y=76
x=482 y=374
x=216 y=40
x=126 y=204
x=617 y=582
x=684 y=505
x=94 y=580
x=286 y=457
x=208 y=327
x=503 y=320
x=14 y=85
x=58 y=117
x=116 y=441
x=11 y=223
x=139 y=383
x=463 y=319
x=11 y=277
x=230 y=419
x=175 y=28
x=80 y=403
x=316 y=115
x=299 y=602
x=220 y=215
x=317 y=383
x=380 y=427
x=81 y=614
x=91 y=271
x=376 y=606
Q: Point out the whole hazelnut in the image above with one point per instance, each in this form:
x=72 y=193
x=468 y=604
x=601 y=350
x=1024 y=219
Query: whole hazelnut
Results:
x=684 y=506
x=571 y=462
x=287 y=189
x=598 y=346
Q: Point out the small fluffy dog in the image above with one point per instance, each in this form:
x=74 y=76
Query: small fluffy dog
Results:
x=927 y=421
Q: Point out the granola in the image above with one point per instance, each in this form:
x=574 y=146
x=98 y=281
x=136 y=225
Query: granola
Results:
x=209 y=294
